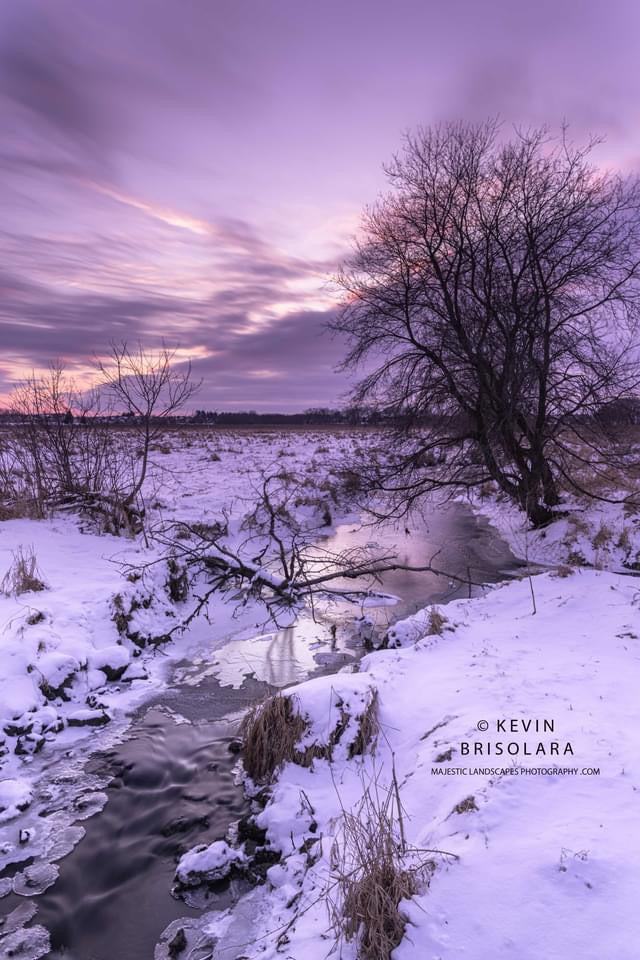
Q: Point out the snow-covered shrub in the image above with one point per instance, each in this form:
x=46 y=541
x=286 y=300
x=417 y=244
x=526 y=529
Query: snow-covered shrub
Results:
x=143 y=611
x=428 y=622
x=112 y=660
x=57 y=672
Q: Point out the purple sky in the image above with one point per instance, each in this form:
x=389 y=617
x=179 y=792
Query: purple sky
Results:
x=193 y=169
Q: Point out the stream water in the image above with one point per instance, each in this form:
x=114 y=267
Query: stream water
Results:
x=170 y=782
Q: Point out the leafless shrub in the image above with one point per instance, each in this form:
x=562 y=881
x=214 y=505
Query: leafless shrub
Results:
x=23 y=575
x=61 y=451
x=55 y=448
x=150 y=387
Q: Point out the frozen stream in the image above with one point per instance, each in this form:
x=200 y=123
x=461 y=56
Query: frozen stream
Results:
x=170 y=782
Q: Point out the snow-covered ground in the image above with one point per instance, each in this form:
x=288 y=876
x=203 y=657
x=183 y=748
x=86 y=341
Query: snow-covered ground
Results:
x=538 y=823
x=536 y=841
x=512 y=730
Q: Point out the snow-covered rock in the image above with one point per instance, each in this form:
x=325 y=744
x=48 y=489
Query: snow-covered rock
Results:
x=208 y=863
x=15 y=796
x=112 y=660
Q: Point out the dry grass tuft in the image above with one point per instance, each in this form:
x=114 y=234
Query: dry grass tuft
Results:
x=23 y=575
x=579 y=526
x=602 y=537
x=368 y=728
x=270 y=733
x=624 y=540
x=436 y=622
x=468 y=805
x=18 y=509
x=372 y=873
x=575 y=558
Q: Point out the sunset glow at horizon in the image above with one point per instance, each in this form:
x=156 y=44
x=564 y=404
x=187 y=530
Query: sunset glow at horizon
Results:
x=193 y=173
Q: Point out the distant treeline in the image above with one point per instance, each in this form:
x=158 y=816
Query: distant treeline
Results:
x=622 y=411
x=313 y=416
x=316 y=416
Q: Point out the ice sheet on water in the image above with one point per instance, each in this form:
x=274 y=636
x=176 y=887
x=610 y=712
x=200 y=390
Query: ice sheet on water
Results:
x=64 y=842
x=30 y=943
x=45 y=832
x=35 y=879
x=89 y=804
x=200 y=935
x=18 y=917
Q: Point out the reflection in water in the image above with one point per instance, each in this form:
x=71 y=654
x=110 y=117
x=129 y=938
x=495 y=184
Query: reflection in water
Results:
x=451 y=536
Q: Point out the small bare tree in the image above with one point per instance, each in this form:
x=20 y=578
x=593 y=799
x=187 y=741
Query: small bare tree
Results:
x=493 y=302
x=150 y=387
x=61 y=449
x=57 y=449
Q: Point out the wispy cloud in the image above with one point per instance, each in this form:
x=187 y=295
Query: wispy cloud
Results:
x=171 y=217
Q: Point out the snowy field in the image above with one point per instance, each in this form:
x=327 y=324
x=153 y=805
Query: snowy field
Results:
x=521 y=851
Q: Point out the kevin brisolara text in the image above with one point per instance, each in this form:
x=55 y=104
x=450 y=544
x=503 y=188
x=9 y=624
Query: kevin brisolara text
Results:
x=554 y=748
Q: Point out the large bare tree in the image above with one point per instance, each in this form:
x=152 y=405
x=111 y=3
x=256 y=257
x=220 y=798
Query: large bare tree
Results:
x=491 y=302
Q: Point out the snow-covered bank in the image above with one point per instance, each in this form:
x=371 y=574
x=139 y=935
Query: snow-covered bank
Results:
x=542 y=825
x=587 y=532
